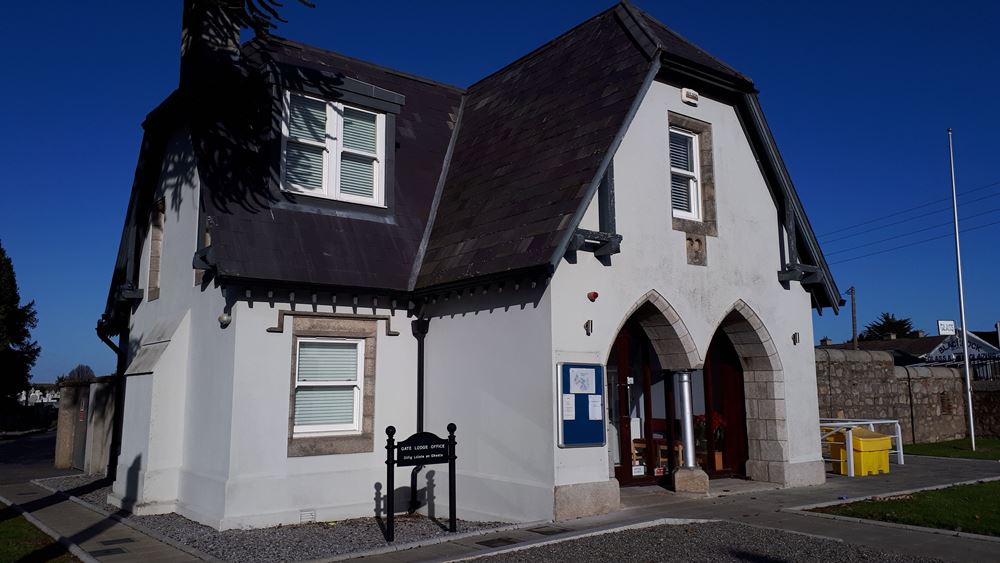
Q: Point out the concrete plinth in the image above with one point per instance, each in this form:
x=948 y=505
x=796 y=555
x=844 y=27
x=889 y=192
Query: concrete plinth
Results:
x=690 y=480
x=586 y=499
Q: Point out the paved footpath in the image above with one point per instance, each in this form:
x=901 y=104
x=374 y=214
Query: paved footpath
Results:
x=763 y=507
x=100 y=537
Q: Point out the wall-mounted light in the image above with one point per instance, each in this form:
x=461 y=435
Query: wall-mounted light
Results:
x=588 y=327
x=795 y=338
x=225 y=319
x=592 y=296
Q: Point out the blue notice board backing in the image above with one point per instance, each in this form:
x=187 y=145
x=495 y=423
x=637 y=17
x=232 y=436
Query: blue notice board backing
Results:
x=580 y=405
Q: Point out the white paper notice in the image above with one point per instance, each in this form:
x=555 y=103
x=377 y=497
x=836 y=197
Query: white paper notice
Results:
x=569 y=407
x=595 y=410
x=582 y=380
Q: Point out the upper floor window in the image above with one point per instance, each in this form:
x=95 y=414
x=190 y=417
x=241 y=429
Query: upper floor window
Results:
x=333 y=150
x=685 y=197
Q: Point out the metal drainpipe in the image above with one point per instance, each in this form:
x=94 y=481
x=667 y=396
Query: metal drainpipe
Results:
x=419 y=328
x=687 y=419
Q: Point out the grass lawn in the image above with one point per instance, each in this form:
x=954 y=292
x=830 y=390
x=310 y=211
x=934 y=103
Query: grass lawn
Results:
x=986 y=448
x=21 y=541
x=963 y=508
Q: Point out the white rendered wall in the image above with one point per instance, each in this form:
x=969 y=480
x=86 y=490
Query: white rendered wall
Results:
x=742 y=264
x=265 y=486
x=488 y=371
x=158 y=451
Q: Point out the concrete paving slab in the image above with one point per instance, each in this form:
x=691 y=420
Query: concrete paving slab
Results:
x=86 y=529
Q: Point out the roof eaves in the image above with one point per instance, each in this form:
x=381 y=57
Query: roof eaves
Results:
x=637 y=29
x=640 y=12
x=428 y=229
x=773 y=156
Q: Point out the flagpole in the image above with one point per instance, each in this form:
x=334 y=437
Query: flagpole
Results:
x=961 y=299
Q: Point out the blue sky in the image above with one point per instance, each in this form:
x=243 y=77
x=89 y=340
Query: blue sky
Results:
x=859 y=96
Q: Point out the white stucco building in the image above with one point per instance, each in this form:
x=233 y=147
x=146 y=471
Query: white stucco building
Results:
x=317 y=248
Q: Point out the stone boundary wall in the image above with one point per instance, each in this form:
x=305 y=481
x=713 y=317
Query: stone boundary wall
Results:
x=927 y=401
x=986 y=407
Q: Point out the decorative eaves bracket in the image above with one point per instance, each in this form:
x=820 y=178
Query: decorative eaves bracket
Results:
x=602 y=245
x=802 y=273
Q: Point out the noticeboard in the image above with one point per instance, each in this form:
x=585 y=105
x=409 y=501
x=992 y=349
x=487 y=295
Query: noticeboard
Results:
x=580 y=405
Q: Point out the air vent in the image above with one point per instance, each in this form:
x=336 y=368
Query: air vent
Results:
x=307 y=516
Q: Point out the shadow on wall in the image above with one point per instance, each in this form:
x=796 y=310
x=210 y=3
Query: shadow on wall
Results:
x=426 y=498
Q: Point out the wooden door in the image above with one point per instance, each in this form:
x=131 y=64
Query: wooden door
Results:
x=725 y=440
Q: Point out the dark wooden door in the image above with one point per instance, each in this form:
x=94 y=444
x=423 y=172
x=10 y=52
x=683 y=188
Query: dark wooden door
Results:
x=638 y=453
x=724 y=423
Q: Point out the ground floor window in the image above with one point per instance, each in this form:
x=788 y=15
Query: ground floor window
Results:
x=329 y=374
x=331 y=404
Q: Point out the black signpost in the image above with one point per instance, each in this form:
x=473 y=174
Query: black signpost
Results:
x=422 y=448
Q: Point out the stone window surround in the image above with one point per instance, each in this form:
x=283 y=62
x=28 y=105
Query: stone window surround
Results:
x=707 y=226
x=157 y=218
x=361 y=329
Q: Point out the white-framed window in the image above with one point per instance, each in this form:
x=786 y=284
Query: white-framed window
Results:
x=329 y=376
x=685 y=172
x=332 y=150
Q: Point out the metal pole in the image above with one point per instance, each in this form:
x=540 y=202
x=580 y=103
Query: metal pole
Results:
x=390 y=484
x=961 y=299
x=687 y=418
x=849 y=449
x=452 y=502
x=854 y=318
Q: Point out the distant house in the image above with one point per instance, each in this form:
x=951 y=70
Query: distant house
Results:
x=927 y=349
x=318 y=247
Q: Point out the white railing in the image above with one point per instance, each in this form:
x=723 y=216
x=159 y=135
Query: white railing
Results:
x=830 y=426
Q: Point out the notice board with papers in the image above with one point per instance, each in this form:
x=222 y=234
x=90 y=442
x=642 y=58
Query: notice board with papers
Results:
x=580 y=405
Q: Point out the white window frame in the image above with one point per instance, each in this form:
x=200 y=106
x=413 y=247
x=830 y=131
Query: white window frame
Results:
x=332 y=150
x=694 y=178
x=358 y=384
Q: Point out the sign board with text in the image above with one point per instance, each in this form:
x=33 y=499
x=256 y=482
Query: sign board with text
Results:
x=946 y=328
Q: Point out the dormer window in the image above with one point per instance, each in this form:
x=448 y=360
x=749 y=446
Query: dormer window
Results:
x=333 y=150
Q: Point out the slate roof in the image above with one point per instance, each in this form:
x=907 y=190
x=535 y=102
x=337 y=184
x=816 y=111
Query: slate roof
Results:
x=529 y=143
x=284 y=238
x=532 y=139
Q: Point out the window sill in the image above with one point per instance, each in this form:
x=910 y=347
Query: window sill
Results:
x=339 y=200
x=690 y=226
x=331 y=444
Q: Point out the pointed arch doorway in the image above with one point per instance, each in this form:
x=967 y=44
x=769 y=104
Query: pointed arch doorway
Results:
x=645 y=418
x=720 y=411
x=644 y=423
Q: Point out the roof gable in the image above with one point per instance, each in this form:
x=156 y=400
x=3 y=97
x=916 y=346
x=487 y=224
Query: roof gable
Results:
x=532 y=141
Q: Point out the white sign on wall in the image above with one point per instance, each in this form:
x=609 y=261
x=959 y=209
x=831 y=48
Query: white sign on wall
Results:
x=946 y=328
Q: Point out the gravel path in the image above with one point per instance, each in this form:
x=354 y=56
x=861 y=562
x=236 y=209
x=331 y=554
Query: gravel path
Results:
x=280 y=543
x=709 y=543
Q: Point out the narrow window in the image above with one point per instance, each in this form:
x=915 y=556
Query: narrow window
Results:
x=333 y=151
x=684 y=174
x=328 y=380
x=156 y=221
